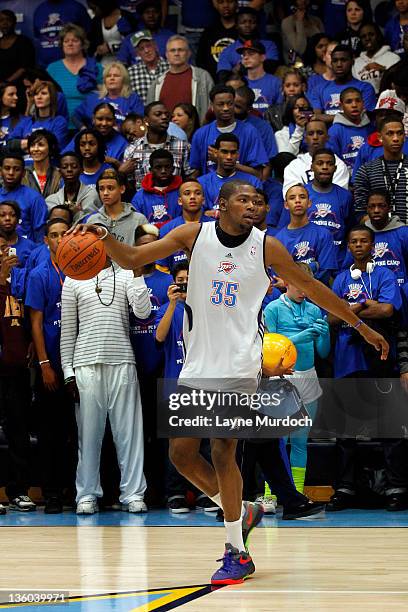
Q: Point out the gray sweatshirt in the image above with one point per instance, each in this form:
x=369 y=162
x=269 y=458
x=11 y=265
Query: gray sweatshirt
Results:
x=123 y=227
x=394 y=223
x=87 y=201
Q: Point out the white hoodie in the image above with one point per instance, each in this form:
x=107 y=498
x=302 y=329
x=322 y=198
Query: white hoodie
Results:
x=299 y=171
x=384 y=57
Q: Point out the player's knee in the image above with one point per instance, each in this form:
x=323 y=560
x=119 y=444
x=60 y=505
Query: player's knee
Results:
x=180 y=455
x=222 y=452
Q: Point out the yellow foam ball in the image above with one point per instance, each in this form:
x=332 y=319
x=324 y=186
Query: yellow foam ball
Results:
x=277 y=347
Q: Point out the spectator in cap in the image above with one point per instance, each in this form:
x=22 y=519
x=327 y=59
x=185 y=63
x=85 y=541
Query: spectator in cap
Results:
x=150 y=66
x=297 y=28
x=266 y=87
x=182 y=82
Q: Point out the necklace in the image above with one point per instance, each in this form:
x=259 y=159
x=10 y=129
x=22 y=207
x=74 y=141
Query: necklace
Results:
x=98 y=289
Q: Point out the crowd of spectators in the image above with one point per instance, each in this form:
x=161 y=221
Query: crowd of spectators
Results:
x=115 y=113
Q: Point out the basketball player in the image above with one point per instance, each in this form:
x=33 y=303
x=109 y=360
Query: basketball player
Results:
x=223 y=332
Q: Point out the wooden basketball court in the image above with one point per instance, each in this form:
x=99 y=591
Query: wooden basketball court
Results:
x=130 y=566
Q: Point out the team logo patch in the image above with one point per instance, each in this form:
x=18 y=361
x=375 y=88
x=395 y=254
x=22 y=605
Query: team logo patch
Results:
x=227 y=267
x=334 y=101
x=159 y=211
x=354 y=290
x=357 y=142
x=322 y=210
x=380 y=249
x=302 y=249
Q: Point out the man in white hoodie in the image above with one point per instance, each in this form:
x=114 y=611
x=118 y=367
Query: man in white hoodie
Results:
x=300 y=169
x=375 y=58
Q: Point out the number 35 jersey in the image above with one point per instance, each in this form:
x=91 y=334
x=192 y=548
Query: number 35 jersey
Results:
x=223 y=322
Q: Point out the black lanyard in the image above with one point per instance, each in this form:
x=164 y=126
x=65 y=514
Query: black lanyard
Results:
x=392 y=184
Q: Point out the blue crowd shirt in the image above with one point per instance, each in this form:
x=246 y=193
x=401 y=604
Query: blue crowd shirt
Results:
x=384 y=289
x=57 y=125
x=267 y=90
x=394 y=34
x=328 y=98
x=44 y=287
x=158 y=208
x=273 y=190
x=266 y=133
x=175 y=258
x=367 y=153
x=251 y=149
x=148 y=353
x=122 y=105
x=346 y=141
x=34 y=211
x=173 y=344
x=212 y=183
x=90 y=178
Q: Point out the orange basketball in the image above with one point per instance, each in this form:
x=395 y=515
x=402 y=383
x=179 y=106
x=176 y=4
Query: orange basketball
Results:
x=277 y=347
x=81 y=256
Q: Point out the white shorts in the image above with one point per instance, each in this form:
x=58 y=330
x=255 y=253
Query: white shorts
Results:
x=307 y=383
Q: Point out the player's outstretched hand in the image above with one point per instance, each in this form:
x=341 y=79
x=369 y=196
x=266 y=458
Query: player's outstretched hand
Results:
x=82 y=228
x=375 y=339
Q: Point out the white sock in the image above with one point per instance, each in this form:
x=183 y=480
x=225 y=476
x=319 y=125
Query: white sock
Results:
x=234 y=534
x=217 y=499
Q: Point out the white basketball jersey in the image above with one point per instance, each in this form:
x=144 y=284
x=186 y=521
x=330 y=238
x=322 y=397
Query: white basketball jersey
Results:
x=223 y=320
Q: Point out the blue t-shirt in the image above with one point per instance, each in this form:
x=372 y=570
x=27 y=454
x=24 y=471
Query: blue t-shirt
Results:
x=158 y=208
x=57 y=125
x=123 y=106
x=327 y=99
x=229 y=58
x=24 y=247
x=38 y=255
x=390 y=250
x=89 y=178
x=384 y=288
x=368 y=153
x=346 y=141
x=175 y=258
x=34 y=211
x=48 y=20
x=212 y=183
x=126 y=53
x=173 y=344
x=251 y=149
x=267 y=91
x=311 y=244
x=148 y=353
x=266 y=133
x=394 y=34
x=44 y=287
x=273 y=190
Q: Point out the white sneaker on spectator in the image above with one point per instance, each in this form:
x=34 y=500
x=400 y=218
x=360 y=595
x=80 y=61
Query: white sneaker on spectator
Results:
x=88 y=506
x=22 y=503
x=268 y=503
x=136 y=506
x=2 y=509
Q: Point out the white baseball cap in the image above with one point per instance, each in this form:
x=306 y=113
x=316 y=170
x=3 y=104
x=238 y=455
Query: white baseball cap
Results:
x=388 y=100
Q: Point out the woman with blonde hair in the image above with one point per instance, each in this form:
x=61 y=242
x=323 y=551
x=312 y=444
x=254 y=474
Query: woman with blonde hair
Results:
x=42 y=114
x=115 y=90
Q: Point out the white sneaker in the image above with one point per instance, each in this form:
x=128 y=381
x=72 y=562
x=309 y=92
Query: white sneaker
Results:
x=88 y=506
x=136 y=506
x=268 y=503
x=3 y=509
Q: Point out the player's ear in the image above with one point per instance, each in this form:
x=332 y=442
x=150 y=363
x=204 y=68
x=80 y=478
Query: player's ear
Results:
x=222 y=202
x=268 y=208
x=285 y=205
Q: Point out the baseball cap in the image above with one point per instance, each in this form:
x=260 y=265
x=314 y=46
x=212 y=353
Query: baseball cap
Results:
x=255 y=45
x=388 y=100
x=137 y=37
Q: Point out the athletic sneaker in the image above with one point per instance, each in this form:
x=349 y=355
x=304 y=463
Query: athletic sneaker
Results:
x=178 y=505
x=2 y=509
x=268 y=503
x=135 y=507
x=252 y=516
x=307 y=509
x=22 y=503
x=205 y=503
x=236 y=567
x=88 y=506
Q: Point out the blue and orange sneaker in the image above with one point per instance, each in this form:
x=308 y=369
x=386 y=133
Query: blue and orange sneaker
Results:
x=236 y=567
x=251 y=518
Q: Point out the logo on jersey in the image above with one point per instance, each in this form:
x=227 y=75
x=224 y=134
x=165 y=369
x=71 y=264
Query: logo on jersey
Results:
x=301 y=249
x=229 y=255
x=227 y=267
x=334 y=101
x=380 y=249
x=252 y=252
x=354 y=291
x=357 y=142
x=322 y=210
x=159 y=211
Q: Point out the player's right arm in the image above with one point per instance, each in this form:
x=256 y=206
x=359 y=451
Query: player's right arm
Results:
x=129 y=257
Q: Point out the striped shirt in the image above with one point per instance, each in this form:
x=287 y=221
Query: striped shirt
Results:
x=370 y=176
x=93 y=333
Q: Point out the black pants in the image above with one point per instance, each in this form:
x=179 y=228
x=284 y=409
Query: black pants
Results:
x=57 y=439
x=14 y=415
x=268 y=454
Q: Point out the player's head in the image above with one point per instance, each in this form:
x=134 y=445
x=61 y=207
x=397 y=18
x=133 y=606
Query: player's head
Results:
x=237 y=200
x=162 y=167
x=70 y=166
x=297 y=201
x=323 y=166
x=180 y=277
x=55 y=230
x=110 y=187
x=292 y=292
x=351 y=104
x=379 y=208
x=392 y=135
x=61 y=211
x=360 y=242
x=315 y=135
x=227 y=146
x=261 y=209
x=191 y=196
x=10 y=215
x=12 y=169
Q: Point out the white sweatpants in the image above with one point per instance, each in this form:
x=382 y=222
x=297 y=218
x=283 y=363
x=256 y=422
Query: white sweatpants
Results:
x=111 y=390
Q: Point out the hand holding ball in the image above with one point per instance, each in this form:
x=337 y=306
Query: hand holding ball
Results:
x=81 y=256
x=278 y=350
